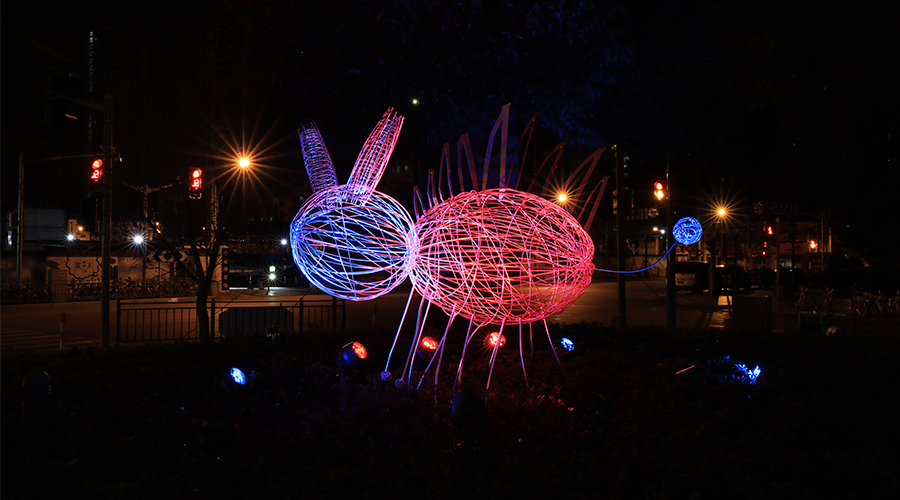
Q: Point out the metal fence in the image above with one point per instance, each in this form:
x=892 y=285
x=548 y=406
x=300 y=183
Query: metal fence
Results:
x=155 y=320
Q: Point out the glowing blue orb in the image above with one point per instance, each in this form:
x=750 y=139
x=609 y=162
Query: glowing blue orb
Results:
x=567 y=344
x=687 y=231
x=238 y=376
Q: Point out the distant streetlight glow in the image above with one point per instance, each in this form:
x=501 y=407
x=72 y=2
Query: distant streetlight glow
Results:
x=283 y=242
x=138 y=239
x=70 y=237
x=415 y=102
x=244 y=162
x=721 y=212
x=562 y=197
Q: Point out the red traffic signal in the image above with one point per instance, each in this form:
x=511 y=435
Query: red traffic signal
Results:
x=96 y=174
x=196 y=185
x=659 y=191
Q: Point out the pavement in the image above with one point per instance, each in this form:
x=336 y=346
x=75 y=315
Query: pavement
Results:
x=701 y=310
x=38 y=326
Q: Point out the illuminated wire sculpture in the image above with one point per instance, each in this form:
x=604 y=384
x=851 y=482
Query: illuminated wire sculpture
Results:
x=374 y=156
x=687 y=231
x=317 y=160
x=501 y=255
x=351 y=241
x=495 y=256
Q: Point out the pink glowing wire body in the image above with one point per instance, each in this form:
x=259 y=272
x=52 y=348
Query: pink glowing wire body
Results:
x=501 y=256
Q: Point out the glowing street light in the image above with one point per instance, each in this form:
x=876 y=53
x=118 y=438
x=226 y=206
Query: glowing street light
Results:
x=70 y=237
x=244 y=162
x=562 y=197
x=721 y=212
x=138 y=239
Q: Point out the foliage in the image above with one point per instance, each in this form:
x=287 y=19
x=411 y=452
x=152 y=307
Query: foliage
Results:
x=127 y=422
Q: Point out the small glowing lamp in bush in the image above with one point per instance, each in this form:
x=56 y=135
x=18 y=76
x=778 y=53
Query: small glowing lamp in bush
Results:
x=425 y=351
x=428 y=344
x=751 y=375
x=351 y=355
x=232 y=380
x=492 y=339
x=238 y=376
x=567 y=344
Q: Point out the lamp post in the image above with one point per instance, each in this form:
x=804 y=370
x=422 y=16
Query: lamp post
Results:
x=145 y=230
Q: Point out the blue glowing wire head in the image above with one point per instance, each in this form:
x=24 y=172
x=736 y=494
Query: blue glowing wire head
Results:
x=687 y=231
x=567 y=344
x=350 y=249
x=238 y=376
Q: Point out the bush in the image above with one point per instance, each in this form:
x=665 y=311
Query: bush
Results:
x=129 y=422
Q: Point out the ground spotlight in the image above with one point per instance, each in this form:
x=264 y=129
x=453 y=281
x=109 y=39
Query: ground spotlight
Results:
x=231 y=381
x=567 y=344
x=351 y=355
x=425 y=350
x=469 y=413
x=491 y=340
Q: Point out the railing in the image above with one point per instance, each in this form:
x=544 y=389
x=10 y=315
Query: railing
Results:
x=144 y=320
x=89 y=290
x=25 y=293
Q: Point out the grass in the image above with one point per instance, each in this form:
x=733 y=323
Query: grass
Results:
x=819 y=422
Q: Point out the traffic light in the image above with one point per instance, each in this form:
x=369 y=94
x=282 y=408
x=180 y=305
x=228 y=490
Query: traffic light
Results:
x=96 y=183
x=196 y=180
x=659 y=192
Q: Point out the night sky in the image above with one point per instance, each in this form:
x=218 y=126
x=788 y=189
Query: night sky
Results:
x=819 y=128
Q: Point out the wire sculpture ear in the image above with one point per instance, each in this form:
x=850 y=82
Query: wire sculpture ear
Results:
x=317 y=160
x=374 y=156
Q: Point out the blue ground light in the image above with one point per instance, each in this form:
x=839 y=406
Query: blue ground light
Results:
x=238 y=376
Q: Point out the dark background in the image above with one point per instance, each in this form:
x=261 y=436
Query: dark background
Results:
x=752 y=102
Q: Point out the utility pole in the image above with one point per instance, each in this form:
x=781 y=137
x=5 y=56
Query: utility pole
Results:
x=670 y=259
x=105 y=231
x=145 y=228
x=21 y=222
x=620 y=237
x=20 y=238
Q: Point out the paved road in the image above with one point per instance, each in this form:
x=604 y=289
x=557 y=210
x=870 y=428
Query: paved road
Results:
x=37 y=326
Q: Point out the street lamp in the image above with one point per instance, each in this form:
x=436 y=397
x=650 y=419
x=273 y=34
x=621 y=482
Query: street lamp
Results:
x=244 y=162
